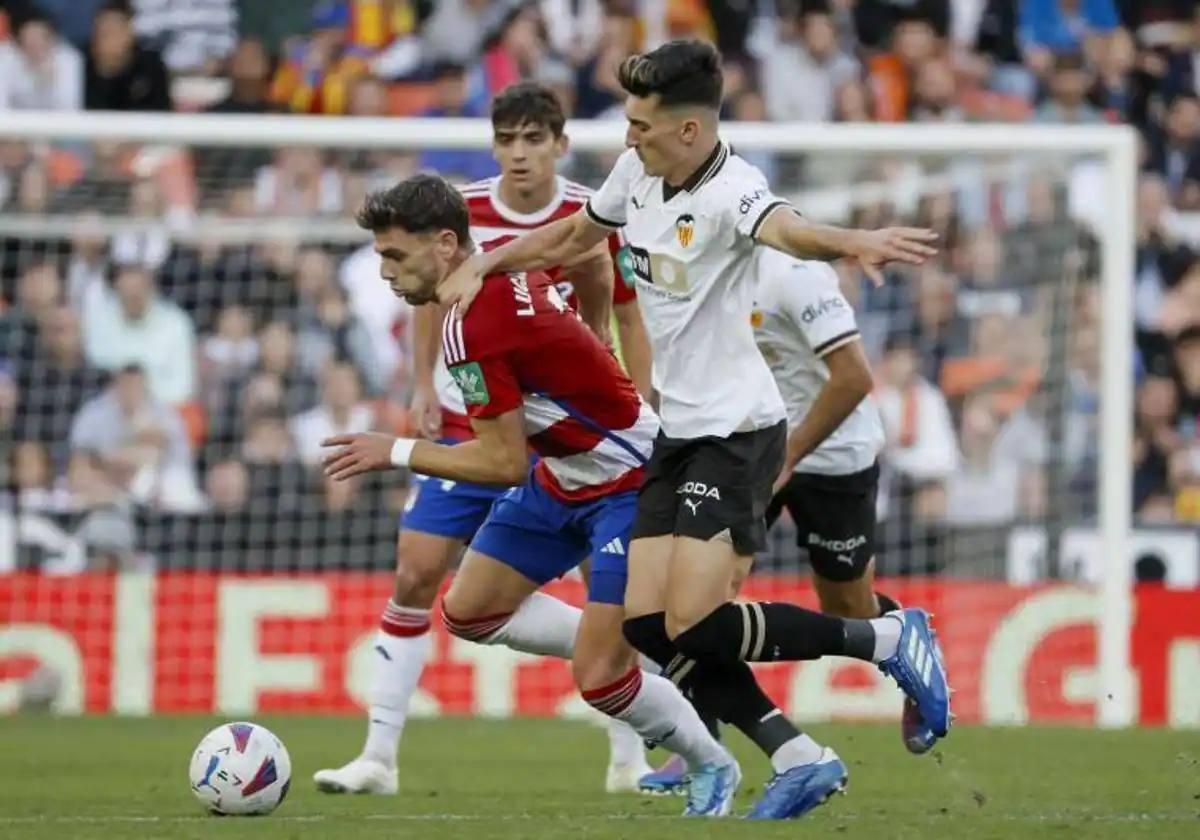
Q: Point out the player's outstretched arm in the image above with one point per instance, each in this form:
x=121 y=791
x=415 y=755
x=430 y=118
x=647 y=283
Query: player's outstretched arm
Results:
x=497 y=455
x=786 y=230
x=850 y=382
x=555 y=244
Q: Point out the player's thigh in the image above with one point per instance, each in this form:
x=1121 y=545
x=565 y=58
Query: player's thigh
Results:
x=486 y=586
x=725 y=488
x=422 y=561
x=602 y=656
x=648 y=565
x=523 y=545
x=700 y=578
x=835 y=524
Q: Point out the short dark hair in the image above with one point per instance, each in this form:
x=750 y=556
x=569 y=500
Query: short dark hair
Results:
x=528 y=103
x=681 y=72
x=418 y=204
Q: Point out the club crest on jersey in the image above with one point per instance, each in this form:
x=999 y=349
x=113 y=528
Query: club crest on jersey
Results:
x=470 y=381
x=685 y=229
x=756 y=318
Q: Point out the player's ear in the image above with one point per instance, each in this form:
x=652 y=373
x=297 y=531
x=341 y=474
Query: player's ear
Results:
x=689 y=130
x=562 y=144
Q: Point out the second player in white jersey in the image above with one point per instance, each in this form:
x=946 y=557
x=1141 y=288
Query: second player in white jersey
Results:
x=800 y=315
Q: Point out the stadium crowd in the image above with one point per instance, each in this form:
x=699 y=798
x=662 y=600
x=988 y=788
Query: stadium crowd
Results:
x=197 y=375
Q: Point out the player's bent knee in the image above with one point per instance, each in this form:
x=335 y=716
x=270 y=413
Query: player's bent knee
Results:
x=595 y=671
x=416 y=584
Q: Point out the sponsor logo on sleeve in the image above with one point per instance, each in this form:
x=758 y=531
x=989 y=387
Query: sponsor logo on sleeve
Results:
x=470 y=381
x=823 y=307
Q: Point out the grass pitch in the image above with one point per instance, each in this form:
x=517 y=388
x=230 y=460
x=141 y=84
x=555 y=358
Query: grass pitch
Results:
x=117 y=778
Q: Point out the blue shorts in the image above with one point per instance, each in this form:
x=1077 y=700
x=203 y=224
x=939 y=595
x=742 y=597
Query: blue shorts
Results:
x=453 y=509
x=543 y=538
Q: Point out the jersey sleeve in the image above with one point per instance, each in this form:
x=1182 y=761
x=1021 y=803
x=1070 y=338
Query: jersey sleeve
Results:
x=479 y=362
x=815 y=302
x=623 y=283
x=606 y=206
x=750 y=201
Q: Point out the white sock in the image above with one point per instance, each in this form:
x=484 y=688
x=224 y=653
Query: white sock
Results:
x=800 y=750
x=402 y=646
x=657 y=711
x=543 y=625
x=625 y=746
x=649 y=665
x=887 y=636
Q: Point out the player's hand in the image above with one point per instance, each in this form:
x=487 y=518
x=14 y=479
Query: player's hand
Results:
x=876 y=248
x=462 y=285
x=357 y=454
x=782 y=479
x=425 y=411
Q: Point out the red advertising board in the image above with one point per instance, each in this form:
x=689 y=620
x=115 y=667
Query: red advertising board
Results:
x=236 y=644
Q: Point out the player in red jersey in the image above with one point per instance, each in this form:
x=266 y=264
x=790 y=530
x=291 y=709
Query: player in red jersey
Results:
x=533 y=376
x=441 y=515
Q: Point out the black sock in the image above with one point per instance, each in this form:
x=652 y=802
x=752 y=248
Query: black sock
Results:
x=767 y=632
x=887 y=603
x=728 y=693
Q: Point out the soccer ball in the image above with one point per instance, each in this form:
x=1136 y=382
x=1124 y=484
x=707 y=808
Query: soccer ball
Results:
x=239 y=769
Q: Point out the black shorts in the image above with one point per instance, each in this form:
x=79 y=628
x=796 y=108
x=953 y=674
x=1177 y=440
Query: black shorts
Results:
x=835 y=520
x=701 y=487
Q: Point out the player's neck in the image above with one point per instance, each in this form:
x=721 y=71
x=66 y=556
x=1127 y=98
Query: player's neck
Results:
x=693 y=163
x=527 y=201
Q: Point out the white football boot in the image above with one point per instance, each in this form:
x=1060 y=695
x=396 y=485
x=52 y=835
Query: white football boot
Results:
x=362 y=775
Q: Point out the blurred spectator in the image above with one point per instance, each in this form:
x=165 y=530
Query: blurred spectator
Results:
x=227 y=486
x=457 y=28
x=939 y=331
x=122 y=75
x=330 y=331
x=451 y=100
x=194 y=36
x=72 y=18
x=935 y=94
x=346 y=38
x=804 y=68
x=38 y=291
x=921 y=446
x=140 y=443
x=231 y=350
x=985 y=488
x=573 y=27
x=340 y=411
x=134 y=325
x=1175 y=151
x=87 y=263
x=914 y=41
x=249 y=80
x=1067 y=103
x=1064 y=26
x=875 y=20
x=597 y=90
x=33 y=480
x=298 y=183
x=56 y=381
x=1156 y=437
x=39 y=70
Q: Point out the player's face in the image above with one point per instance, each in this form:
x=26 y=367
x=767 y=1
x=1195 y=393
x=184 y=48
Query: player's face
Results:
x=414 y=263
x=527 y=154
x=660 y=136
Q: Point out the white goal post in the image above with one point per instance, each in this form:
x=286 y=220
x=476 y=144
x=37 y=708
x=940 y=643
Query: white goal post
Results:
x=1113 y=147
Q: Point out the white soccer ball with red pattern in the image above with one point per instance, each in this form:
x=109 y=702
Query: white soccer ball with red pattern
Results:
x=240 y=769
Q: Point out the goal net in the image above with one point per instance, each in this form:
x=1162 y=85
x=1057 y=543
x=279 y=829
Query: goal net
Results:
x=190 y=308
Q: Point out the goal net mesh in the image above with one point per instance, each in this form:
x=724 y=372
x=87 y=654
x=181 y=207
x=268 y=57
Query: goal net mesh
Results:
x=184 y=324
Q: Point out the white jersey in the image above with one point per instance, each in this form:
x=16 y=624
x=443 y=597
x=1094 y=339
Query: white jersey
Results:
x=694 y=262
x=800 y=316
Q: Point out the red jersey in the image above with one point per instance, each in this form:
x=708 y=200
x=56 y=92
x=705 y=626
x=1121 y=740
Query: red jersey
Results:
x=492 y=219
x=521 y=346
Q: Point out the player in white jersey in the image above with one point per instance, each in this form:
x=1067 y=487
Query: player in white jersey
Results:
x=693 y=213
x=441 y=516
x=808 y=335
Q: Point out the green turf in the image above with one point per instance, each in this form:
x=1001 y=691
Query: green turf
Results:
x=116 y=778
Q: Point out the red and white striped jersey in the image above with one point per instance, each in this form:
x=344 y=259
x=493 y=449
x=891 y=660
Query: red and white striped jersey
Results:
x=521 y=346
x=492 y=219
